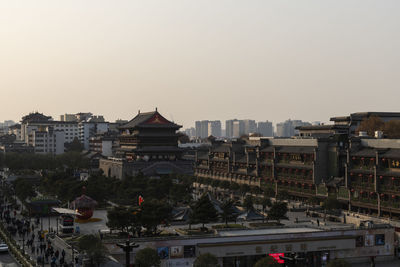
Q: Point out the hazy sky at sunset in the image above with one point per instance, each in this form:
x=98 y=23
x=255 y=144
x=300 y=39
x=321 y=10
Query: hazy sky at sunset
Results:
x=264 y=60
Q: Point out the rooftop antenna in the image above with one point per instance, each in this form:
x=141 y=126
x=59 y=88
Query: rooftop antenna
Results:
x=139 y=111
x=156 y=108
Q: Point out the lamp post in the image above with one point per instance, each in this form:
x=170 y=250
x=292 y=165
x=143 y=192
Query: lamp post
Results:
x=127 y=248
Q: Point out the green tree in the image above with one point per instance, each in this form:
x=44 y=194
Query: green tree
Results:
x=153 y=213
x=244 y=188
x=338 y=263
x=269 y=191
x=120 y=218
x=370 y=125
x=206 y=260
x=225 y=185
x=329 y=204
x=74 y=145
x=147 y=257
x=228 y=211
x=313 y=200
x=267 y=262
x=277 y=211
x=94 y=249
x=392 y=129
x=282 y=195
x=204 y=211
x=264 y=202
x=248 y=203
x=234 y=186
x=24 y=189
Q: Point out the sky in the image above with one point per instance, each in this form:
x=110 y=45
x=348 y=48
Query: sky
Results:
x=199 y=60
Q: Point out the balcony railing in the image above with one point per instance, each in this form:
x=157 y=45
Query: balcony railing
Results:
x=365 y=200
x=365 y=186
x=390 y=204
x=296 y=189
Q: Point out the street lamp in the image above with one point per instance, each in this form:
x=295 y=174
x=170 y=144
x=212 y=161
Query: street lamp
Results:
x=127 y=248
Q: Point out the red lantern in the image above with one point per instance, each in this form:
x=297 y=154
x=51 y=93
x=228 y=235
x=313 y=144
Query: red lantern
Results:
x=372 y=159
x=371 y=193
x=352 y=190
x=381 y=177
x=362 y=158
x=354 y=158
x=393 y=196
x=351 y=174
x=382 y=195
x=383 y=159
x=370 y=176
x=360 y=175
x=393 y=178
x=362 y=192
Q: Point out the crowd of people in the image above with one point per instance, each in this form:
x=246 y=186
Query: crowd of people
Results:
x=34 y=240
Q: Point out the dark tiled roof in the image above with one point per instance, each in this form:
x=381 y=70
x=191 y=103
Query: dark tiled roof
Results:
x=367 y=152
x=241 y=158
x=392 y=153
x=221 y=148
x=295 y=149
x=267 y=149
x=35 y=117
x=294 y=166
x=141 y=119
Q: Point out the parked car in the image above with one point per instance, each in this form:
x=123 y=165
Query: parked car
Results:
x=3 y=247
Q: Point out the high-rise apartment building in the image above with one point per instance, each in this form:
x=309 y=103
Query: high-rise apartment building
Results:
x=214 y=128
x=249 y=126
x=191 y=132
x=205 y=128
x=288 y=128
x=265 y=128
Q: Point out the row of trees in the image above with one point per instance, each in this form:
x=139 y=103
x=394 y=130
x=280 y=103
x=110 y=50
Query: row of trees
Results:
x=131 y=220
x=171 y=189
x=374 y=123
x=31 y=161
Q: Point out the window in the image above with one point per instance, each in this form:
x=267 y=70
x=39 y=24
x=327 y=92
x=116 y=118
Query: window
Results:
x=379 y=240
x=359 y=241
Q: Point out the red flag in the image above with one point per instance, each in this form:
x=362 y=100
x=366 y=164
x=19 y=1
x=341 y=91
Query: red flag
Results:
x=141 y=200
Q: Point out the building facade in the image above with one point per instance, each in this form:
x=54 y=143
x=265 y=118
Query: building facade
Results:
x=265 y=128
x=148 y=144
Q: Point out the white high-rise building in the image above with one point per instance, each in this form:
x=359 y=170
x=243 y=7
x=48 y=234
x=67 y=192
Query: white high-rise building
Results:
x=47 y=141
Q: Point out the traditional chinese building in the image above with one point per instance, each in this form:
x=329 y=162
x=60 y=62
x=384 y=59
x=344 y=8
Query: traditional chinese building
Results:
x=148 y=144
x=294 y=166
x=149 y=136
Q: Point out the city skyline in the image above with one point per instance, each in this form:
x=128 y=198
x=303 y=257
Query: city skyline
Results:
x=199 y=60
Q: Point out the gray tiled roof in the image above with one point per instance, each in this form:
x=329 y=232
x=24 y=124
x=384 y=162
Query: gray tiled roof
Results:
x=141 y=118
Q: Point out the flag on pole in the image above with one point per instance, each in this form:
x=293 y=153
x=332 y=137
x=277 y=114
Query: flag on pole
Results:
x=141 y=200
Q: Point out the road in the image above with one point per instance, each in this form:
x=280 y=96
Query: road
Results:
x=6 y=258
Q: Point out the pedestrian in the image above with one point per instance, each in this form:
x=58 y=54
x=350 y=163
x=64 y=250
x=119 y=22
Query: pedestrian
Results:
x=33 y=249
x=63 y=253
x=318 y=222
x=37 y=250
x=57 y=253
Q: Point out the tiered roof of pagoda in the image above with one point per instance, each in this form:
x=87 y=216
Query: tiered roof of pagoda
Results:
x=35 y=117
x=149 y=120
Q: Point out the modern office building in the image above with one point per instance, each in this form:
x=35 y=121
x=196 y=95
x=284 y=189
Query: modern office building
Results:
x=243 y=248
x=265 y=129
x=214 y=128
x=288 y=127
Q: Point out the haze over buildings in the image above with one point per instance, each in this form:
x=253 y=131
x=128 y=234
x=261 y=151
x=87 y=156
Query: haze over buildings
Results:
x=197 y=59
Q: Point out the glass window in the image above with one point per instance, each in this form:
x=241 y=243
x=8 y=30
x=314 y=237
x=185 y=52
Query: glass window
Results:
x=359 y=241
x=379 y=240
